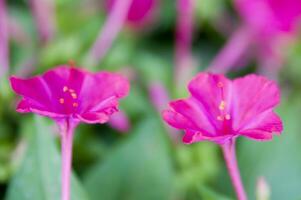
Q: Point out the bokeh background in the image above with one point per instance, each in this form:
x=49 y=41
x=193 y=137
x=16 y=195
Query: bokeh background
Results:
x=139 y=158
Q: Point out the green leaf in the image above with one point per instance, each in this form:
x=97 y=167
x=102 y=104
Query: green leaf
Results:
x=138 y=169
x=39 y=175
x=209 y=194
x=209 y=9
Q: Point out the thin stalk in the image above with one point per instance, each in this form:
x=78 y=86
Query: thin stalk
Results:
x=184 y=33
x=4 y=39
x=270 y=58
x=231 y=162
x=43 y=12
x=270 y=67
x=67 y=132
x=232 y=51
x=110 y=30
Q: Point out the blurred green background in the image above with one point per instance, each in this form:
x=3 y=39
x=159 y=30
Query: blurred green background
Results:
x=144 y=163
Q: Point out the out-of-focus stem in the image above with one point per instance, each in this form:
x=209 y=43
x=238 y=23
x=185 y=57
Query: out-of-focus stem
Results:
x=44 y=15
x=160 y=98
x=270 y=67
x=4 y=39
x=270 y=58
x=231 y=162
x=184 y=31
x=67 y=132
x=17 y=32
x=232 y=51
x=110 y=30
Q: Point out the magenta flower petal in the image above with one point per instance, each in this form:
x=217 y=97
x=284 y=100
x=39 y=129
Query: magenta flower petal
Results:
x=192 y=111
x=97 y=96
x=270 y=16
x=191 y=137
x=252 y=96
x=220 y=109
x=262 y=127
x=68 y=92
x=177 y=120
x=35 y=93
x=212 y=92
x=26 y=106
x=286 y=12
x=92 y=118
x=140 y=11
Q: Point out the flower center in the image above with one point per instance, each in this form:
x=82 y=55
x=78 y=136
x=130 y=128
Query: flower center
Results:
x=69 y=99
x=222 y=106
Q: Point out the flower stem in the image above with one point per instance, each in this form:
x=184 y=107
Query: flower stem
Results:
x=43 y=12
x=232 y=51
x=231 y=162
x=184 y=33
x=67 y=132
x=109 y=32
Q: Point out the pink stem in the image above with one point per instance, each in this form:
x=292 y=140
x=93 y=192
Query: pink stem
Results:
x=231 y=162
x=232 y=51
x=184 y=31
x=270 y=67
x=110 y=30
x=44 y=15
x=67 y=132
x=158 y=95
x=4 y=39
x=270 y=58
x=17 y=32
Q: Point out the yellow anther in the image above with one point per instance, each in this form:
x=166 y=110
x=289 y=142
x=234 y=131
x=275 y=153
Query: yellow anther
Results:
x=220 y=118
x=71 y=90
x=227 y=117
x=62 y=100
x=75 y=104
x=74 y=95
x=220 y=84
x=65 y=88
x=222 y=105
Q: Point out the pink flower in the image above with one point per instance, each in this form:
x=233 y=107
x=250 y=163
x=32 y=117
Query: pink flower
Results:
x=140 y=11
x=270 y=16
x=71 y=93
x=220 y=109
x=137 y=13
x=268 y=26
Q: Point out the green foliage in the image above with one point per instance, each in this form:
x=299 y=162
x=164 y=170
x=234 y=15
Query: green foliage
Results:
x=140 y=168
x=209 y=194
x=39 y=175
x=197 y=164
